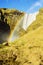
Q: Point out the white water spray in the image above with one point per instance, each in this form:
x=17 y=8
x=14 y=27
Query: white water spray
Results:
x=23 y=23
x=28 y=19
x=15 y=33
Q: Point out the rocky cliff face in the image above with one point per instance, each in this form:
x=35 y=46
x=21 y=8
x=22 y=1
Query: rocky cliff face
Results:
x=8 y=20
x=10 y=17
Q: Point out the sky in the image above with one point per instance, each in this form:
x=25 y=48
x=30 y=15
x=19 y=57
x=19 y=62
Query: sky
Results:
x=29 y=6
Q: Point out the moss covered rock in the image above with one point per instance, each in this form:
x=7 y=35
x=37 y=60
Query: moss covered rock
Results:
x=10 y=16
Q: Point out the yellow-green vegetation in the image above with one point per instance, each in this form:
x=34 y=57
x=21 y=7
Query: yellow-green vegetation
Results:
x=22 y=32
x=28 y=49
x=24 y=51
x=9 y=20
x=38 y=22
x=11 y=16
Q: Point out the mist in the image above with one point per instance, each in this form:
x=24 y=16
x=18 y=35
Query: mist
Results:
x=4 y=31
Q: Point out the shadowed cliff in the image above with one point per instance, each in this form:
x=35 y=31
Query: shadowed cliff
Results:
x=8 y=20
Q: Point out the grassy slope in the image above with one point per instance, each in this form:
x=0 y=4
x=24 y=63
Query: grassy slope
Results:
x=27 y=50
x=38 y=22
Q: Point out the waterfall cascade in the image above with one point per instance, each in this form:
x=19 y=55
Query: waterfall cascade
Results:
x=23 y=24
x=28 y=19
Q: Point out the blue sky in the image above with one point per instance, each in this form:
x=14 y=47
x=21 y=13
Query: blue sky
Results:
x=28 y=6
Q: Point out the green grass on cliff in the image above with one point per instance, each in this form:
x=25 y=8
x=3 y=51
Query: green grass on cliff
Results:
x=38 y=22
x=11 y=16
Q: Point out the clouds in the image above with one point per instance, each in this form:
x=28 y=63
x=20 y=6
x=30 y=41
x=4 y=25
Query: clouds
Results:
x=22 y=5
x=41 y=0
x=35 y=5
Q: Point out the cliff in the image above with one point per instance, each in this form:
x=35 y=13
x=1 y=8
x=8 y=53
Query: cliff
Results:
x=28 y=49
x=10 y=16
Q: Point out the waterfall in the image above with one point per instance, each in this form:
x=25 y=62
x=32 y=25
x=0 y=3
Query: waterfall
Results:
x=23 y=24
x=28 y=19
